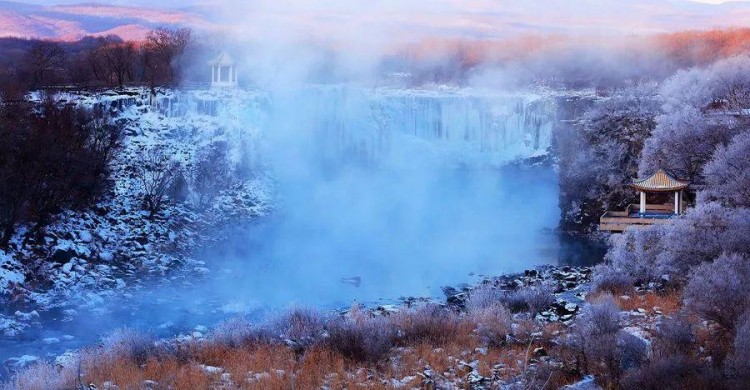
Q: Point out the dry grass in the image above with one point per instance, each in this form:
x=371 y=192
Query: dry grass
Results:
x=668 y=303
x=431 y=338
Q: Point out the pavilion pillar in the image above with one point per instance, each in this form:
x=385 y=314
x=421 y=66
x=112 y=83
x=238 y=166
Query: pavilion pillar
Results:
x=677 y=202
x=643 y=202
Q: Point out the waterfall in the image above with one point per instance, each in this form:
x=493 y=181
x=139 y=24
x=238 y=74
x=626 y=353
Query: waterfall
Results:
x=367 y=124
x=471 y=127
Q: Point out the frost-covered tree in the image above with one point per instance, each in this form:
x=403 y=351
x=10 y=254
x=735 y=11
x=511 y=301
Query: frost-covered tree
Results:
x=594 y=338
x=599 y=157
x=703 y=108
x=719 y=291
x=704 y=234
x=737 y=366
x=633 y=254
x=728 y=174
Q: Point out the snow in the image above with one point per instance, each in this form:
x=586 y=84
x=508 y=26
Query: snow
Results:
x=10 y=271
x=21 y=362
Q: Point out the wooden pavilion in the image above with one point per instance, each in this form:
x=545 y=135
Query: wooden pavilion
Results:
x=644 y=214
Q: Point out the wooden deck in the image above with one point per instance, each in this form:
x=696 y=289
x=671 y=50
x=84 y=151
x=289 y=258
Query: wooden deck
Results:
x=618 y=221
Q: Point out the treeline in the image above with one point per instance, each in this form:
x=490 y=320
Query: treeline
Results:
x=567 y=62
x=696 y=125
x=93 y=61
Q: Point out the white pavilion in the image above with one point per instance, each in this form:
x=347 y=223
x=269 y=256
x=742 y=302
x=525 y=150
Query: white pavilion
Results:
x=223 y=71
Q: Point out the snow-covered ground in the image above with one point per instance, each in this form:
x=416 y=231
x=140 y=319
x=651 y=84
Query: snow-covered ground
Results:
x=87 y=255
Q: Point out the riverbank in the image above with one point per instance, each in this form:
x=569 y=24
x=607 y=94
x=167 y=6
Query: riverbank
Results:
x=519 y=329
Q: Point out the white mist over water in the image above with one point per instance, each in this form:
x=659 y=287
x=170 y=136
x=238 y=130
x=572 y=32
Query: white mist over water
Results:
x=406 y=190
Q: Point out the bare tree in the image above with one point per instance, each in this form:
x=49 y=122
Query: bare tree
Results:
x=43 y=59
x=167 y=47
x=118 y=60
x=211 y=173
x=155 y=172
x=52 y=157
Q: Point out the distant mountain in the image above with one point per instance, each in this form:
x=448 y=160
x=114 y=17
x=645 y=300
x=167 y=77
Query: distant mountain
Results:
x=71 y=22
x=337 y=20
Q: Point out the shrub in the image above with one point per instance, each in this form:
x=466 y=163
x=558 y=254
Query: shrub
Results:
x=483 y=297
x=42 y=376
x=156 y=172
x=526 y=299
x=130 y=344
x=674 y=337
x=737 y=365
x=672 y=372
x=706 y=232
x=211 y=173
x=235 y=332
x=361 y=338
x=431 y=323
x=601 y=317
x=493 y=322
x=607 y=278
x=594 y=337
x=719 y=291
x=631 y=258
x=299 y=327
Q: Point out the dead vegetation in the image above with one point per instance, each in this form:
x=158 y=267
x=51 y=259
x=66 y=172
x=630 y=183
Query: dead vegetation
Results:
x=422 y=347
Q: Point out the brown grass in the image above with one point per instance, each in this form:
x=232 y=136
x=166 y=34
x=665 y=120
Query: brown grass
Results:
x=437 y=340
x=668 y=302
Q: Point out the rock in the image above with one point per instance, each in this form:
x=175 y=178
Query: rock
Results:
x=476 y=379
x=449 y=291
x=587 y=383
x=636 y=344
x=457 y=300
x=106 y=256
x=386 y=309
x=67 y=267
x=85 y=236
x=149 y=384
x=62 y=256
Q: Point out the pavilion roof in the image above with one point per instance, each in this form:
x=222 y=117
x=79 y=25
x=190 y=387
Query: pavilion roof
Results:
x=222 y=59
x=661 y=181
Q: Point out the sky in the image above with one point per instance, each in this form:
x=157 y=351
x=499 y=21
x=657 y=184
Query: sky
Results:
x=376 y=20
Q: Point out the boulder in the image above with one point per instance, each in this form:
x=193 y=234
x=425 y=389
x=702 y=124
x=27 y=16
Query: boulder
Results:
x=62 y=256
